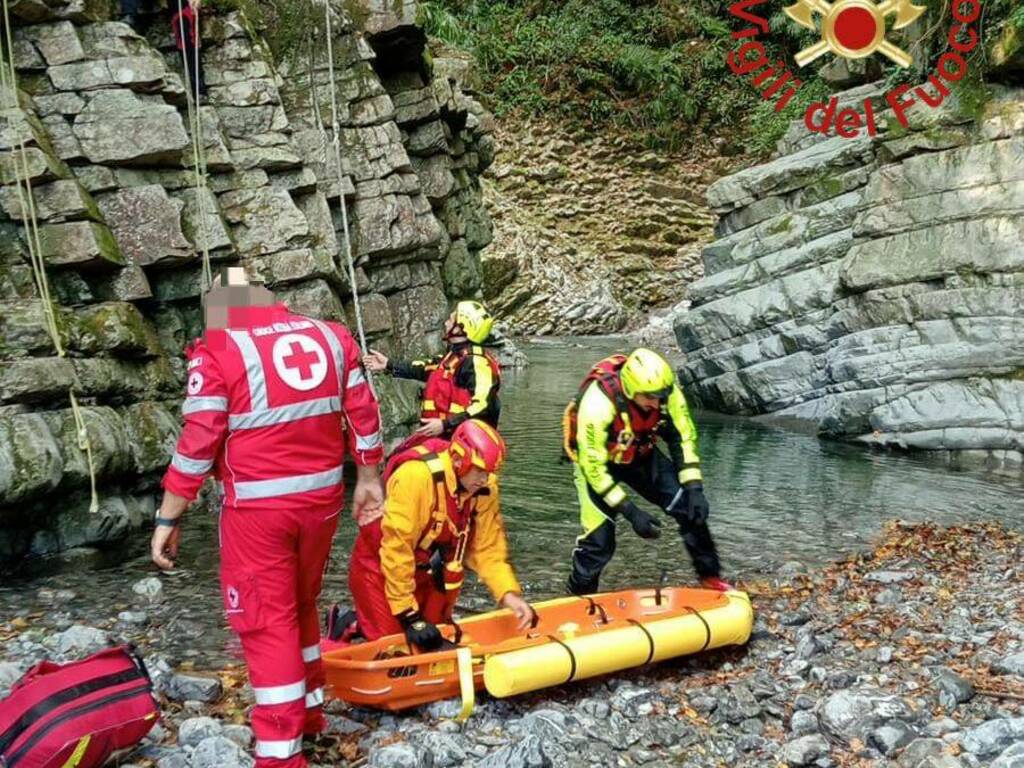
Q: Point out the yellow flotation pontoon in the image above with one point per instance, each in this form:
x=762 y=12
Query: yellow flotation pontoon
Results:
x=574 y=638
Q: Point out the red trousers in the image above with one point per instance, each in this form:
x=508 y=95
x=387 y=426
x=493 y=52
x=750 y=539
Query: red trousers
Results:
x=271 y=569
x=366 y=582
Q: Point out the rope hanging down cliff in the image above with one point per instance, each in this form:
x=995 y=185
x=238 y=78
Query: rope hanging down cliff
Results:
x=338 y=170
x=26 y=201
x=339 y=173
x=195 y=128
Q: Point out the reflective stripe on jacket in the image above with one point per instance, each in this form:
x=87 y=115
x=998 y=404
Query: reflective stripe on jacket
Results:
x=599 y=435
x=271 y=404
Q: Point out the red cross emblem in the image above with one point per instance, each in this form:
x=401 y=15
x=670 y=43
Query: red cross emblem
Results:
x=300 y=361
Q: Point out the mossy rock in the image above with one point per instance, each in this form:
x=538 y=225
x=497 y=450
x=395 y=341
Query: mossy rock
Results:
x=30 y=459
x=1007 y=52
x=117 y=327
x=152 y=430
x=79 y=243
x=784 y=224
x=108 y=444
x=116 y=517
x=36 y=379
x=23 y=329
x=498 y=273
x=825 y=188
x=972 y=96
x=109 y=378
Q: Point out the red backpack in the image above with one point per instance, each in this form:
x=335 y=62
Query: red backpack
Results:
x=76 y=715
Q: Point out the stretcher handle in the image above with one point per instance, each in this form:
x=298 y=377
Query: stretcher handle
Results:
x=533 y=624
x=662 y=580
x=597 y=608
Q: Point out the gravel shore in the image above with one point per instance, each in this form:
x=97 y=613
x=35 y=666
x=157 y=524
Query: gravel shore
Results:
x=911 y=655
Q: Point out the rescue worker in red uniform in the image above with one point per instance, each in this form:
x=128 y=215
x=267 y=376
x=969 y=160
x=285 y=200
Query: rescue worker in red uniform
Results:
x=441 y=511
x=461 y=384
x=624 y=405
x=273 y=401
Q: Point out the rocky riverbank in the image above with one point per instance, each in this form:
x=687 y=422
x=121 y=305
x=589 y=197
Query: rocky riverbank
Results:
x=870 y=288
x=909 y=656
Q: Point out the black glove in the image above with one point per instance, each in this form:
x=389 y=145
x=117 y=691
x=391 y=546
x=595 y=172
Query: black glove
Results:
x=419 y=631
x=646 y=527
x=696 y=503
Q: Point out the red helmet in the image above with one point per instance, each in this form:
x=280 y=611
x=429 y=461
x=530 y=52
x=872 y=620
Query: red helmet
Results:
x=479 y=445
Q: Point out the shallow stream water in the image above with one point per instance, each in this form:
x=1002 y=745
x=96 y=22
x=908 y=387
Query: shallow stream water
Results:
x=775 y=496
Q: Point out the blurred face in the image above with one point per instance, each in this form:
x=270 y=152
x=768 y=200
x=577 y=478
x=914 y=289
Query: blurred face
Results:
x=219 y=302
x=646 y=401
x=452 y=330
x=473 y=480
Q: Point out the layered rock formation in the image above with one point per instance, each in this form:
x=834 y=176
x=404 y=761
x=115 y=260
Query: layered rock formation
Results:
x=101 y=129
x=590 y=232
x=874 y=288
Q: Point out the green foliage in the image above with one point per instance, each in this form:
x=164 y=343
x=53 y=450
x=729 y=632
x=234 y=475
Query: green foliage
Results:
x=284 y=24
x=442 y=23
x=658 y=67
x=767 y=126
x=655 y=67
x=1016 y=18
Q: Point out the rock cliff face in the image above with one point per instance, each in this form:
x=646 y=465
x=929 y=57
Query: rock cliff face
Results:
x=874 y=288
x=101 y=129
x=591 y=233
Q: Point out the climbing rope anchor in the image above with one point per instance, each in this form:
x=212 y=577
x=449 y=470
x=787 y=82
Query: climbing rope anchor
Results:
x=853 y=29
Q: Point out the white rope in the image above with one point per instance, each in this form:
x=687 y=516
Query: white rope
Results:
x=26 y=200
x=196 y=129
x=341 y=177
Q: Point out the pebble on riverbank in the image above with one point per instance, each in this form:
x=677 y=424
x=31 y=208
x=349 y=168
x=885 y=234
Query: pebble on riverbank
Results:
x=833 y=677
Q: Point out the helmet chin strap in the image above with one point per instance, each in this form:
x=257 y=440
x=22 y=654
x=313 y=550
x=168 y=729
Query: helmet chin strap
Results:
x=460 y=465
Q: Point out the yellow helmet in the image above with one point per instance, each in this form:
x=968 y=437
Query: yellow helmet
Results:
x=475 y=320
x=646 y=373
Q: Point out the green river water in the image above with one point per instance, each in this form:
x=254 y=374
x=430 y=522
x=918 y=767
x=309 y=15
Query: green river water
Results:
x=775 y=496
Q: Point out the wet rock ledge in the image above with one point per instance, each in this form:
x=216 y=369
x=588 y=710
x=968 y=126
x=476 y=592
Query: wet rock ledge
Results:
x=873 y=288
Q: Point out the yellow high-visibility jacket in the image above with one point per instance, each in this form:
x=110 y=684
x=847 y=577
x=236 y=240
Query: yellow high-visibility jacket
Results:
x=409 y=512
x=596 y=437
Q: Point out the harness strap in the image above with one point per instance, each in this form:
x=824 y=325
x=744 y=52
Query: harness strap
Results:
x=439 y=514
x=650 y=639
x=572 y=658
x=707 y=627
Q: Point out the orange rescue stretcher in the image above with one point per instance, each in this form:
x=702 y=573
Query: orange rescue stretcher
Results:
x=573 y=638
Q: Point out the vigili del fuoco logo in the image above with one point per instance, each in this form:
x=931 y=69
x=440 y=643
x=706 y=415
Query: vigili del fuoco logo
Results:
x=851 y=29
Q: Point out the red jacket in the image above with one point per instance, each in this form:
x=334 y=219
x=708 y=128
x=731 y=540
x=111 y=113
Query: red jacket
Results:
x=184 y=23
x=265 y=408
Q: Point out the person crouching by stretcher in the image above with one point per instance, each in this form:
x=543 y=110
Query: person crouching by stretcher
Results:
x=441 y=510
